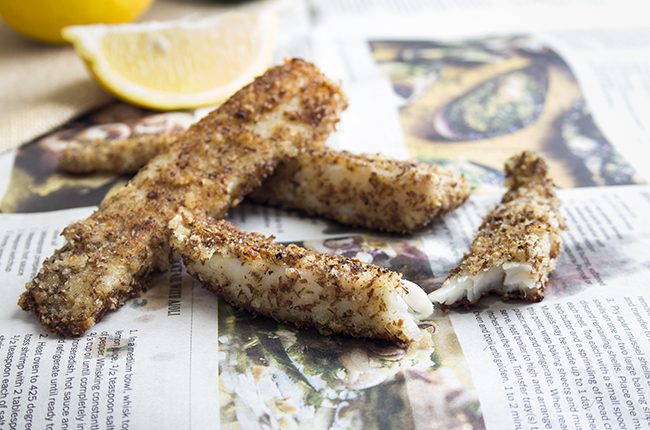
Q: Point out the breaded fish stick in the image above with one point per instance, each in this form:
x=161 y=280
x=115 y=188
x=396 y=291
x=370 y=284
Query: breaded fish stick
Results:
x=517 y=244
x=126 y=155
x=208 y=169
x=368 y=191
x=335 y=294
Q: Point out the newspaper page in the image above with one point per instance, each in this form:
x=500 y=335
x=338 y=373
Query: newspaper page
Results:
x=178 y=357
x=579 y=359
x=613 y=66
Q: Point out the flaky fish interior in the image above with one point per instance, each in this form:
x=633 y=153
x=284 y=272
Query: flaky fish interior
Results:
x=517 y=244
x=291 y=284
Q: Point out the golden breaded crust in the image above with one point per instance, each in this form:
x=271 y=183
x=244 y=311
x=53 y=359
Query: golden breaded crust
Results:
x=292 y=284
x=208 y=169
x=370 y=191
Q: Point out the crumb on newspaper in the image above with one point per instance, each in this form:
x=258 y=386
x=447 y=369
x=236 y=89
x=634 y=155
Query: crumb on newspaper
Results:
x=516 y=246
x=208 y=169
x=332 y=293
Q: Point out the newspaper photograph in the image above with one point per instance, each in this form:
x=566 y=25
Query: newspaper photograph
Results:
x=179 y=356
x=489 y=97
x=468 y=103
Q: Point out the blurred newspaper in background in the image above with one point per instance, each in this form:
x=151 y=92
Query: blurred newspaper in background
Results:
x=463 y=84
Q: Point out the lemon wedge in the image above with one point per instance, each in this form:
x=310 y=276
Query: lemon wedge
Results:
x=177 y=64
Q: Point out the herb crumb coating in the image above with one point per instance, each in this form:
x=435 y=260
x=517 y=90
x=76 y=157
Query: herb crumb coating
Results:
x=332 y=293
x=518 y=243
x=208 y=169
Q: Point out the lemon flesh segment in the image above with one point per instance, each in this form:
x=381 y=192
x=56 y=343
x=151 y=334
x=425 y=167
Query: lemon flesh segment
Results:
x=181 y=64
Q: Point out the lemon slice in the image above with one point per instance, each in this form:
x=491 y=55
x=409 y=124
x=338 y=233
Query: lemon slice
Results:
x=177 y=64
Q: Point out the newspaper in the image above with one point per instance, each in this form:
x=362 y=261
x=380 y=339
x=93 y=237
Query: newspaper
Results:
x=178 y=357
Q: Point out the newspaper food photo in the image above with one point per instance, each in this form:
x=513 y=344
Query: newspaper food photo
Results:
x=282 y=214
x=340 y=381
x=496 y=95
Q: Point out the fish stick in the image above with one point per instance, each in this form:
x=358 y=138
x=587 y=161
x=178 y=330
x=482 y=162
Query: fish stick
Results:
x=518 y=243
x=121 y=156
x=210 y=168
x=332 y=293
x=370 y=191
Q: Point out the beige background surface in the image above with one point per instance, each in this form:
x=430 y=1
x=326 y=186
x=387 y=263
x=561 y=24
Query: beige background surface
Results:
x=42 y=86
